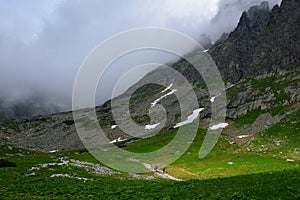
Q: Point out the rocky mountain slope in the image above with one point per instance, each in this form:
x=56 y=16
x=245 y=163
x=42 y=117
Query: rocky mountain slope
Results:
x=263 y=42
x=259 y=62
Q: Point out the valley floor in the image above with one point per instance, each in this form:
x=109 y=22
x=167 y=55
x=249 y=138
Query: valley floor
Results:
x=77 y=175
x=263 y=165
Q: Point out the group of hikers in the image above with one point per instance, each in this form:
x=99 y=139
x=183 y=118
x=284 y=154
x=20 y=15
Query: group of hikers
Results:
x=155 y=167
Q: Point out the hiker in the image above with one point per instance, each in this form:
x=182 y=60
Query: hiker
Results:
x=155 y=167
x=164 y=169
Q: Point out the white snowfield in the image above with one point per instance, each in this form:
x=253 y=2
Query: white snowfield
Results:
x=169 y=87
x=150 y=127
x=190 y=119
x=242 y=136
x=218 y=126
x=114 y=126
x=214 y=98
x=230 y=86
x=53 y=151
x=164 y=96
x=117 y=140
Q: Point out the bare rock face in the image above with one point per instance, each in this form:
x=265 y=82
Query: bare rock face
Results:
x=264 y=41
x=42 y=134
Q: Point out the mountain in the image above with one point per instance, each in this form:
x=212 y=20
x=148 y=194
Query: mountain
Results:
x=266 y=43
x=260 y=58
x=27 y=108
x=257 y=156
x=263 y=42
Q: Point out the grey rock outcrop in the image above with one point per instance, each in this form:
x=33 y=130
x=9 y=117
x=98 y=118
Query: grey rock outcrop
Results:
x=264 y=41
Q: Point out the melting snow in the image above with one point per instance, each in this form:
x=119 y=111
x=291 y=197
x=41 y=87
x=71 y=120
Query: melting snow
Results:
x=117 y=140
x=242 y=136
x=114 y=126
x=190 y=119
x=206 y=50
x=53 y=151
x=230 y=86
x=213 y=99
x=150 y=127
x=169 y=87
x=218 y=126
x=159 y=99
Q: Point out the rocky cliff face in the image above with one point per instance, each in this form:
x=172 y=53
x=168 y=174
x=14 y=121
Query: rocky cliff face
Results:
x=263 y=42
x=264 y=93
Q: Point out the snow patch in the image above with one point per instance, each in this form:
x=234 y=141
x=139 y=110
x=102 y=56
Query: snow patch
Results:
x=212 y=99
x=114 y=126
x=230 y=163
x=290 y=160
x=53 y=151
x=232 y=85
x=190 y=119
x=242 y=136
x=150 y=127
x=117 y=140
x=164 y=96
x=31 y=174
x=218 y=126
x=169 y=87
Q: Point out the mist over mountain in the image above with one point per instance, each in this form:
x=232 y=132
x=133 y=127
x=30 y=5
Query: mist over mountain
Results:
x=27 y=108
x=230 y=11
x=42 y=44
x=263 y=42
x=259 y=62
x=263 y=49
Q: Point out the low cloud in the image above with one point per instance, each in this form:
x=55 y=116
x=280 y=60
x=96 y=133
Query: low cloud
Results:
x=43 y=43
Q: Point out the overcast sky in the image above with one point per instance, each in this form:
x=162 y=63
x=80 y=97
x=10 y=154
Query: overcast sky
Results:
x=44 y=42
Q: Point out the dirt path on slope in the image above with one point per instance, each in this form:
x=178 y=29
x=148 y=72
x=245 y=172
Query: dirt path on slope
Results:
x=161 y=174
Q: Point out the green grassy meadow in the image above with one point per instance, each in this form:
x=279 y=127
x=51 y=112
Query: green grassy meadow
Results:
x=250 y=168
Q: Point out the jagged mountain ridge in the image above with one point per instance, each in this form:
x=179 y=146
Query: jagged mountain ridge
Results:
x=263 y=42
